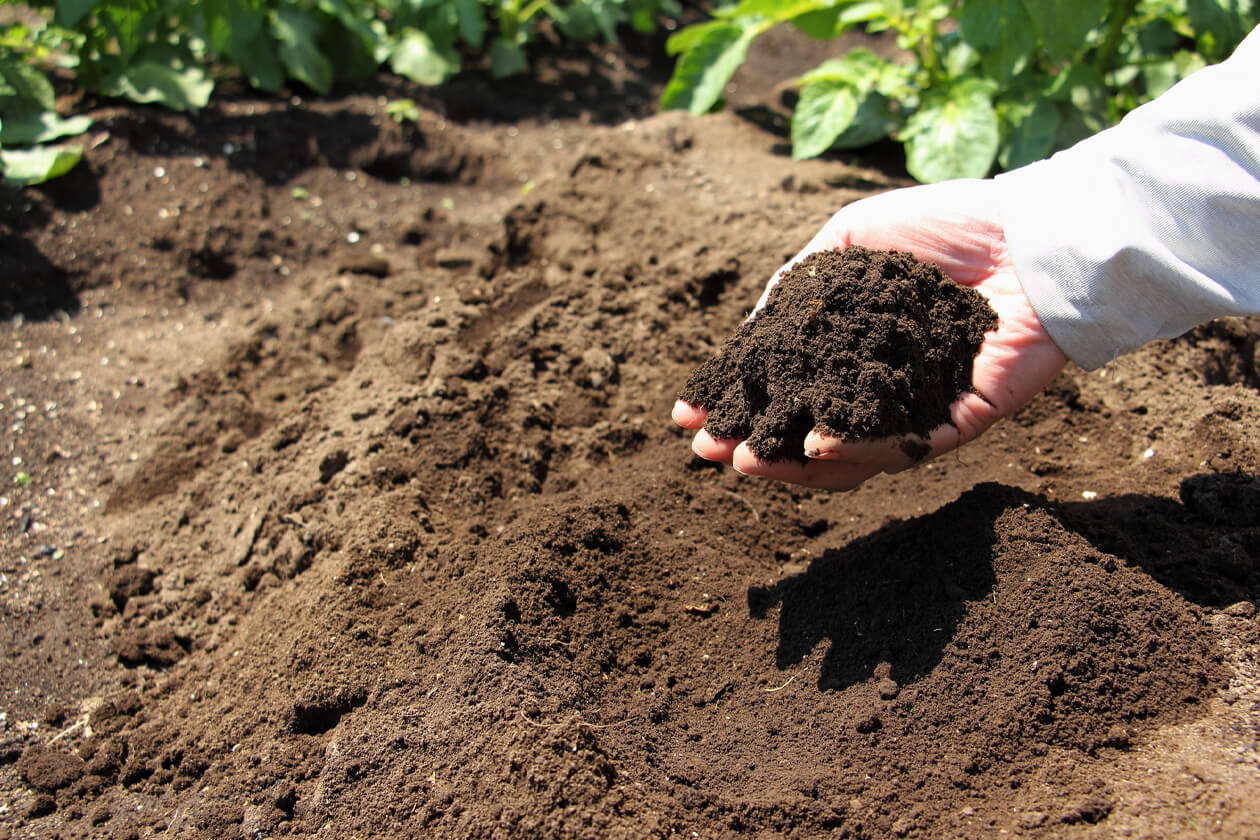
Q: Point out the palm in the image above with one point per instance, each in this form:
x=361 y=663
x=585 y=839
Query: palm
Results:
x=954 y=225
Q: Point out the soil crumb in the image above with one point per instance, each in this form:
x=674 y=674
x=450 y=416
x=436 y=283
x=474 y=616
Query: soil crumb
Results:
x=859 y=343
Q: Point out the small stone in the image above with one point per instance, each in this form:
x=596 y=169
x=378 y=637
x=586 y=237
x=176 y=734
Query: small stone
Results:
x=1117 y=738
x=903 y=826
x=1032 y=819
x=887 y=688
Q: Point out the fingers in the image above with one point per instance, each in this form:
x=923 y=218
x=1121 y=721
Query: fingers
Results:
x=688 y=416
x=817 y=474
x=703 y=444
x=712 y=449
x=834 y=464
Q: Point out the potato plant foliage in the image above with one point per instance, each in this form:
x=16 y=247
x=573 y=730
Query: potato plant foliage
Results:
x=171 y=52
x=989 y=82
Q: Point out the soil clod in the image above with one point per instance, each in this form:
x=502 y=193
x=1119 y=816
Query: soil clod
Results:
x=857 y=343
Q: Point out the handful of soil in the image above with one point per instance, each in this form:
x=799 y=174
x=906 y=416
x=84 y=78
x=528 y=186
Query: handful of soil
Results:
x=857 y=343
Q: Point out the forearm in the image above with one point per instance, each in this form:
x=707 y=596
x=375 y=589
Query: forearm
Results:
x=1150 y=227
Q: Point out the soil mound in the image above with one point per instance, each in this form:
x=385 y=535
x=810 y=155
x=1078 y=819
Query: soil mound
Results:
x=859 y=343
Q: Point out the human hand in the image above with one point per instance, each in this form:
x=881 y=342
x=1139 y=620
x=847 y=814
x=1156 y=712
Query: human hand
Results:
x=956 y=226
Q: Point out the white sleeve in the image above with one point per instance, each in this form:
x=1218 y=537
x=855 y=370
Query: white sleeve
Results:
x=1148 y=228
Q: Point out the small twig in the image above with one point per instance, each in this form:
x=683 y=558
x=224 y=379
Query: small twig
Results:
x=74 y=727
x=525 y=718
x=780 y=688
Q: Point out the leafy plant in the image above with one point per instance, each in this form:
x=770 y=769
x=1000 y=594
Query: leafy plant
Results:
x=171 y=52
x=989 y=82
x=29 y=123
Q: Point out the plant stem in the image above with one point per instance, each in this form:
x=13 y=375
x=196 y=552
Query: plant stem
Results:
x=532 y=9
x=1121 y=11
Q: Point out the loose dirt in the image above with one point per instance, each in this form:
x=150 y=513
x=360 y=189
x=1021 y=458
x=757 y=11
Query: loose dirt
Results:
x=859 y=343
x=340 y=498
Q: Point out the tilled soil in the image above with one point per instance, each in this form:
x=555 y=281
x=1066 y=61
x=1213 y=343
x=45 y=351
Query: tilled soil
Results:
x=341 y=499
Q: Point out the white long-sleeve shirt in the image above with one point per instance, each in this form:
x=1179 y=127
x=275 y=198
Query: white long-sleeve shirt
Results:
x=1150 y=227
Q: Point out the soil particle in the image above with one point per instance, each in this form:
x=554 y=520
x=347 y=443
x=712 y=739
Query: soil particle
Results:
x=858 y=343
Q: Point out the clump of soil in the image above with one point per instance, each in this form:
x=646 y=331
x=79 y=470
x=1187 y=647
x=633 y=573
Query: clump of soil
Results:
x=859 y=343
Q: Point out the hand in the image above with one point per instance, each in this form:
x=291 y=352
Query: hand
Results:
x=956 y=226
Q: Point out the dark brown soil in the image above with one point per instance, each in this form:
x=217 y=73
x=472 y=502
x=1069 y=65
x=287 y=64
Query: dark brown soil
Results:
x=857 y=343
x=340 y=499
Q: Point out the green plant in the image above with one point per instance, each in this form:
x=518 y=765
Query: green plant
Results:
x=989 y=82
x=29 y=123
x=168 y=51
x=172 y=52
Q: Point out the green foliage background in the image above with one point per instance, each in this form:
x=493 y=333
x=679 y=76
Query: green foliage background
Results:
x=990 y=82
x=171 y=52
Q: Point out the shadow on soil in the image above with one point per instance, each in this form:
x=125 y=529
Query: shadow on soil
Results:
x=30 y=285
x=893 y=596
x=897 y=595
x=275 y=144
x=1205 y=548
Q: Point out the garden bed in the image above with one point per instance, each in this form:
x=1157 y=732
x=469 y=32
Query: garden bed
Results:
x=341 y=499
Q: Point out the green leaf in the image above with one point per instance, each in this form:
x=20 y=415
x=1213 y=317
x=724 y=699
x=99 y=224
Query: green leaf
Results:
x=1155 y=39
x=162 y=76
x=1084 y=111
x=472 y=25
x=507 y=59
x=820 y=24
x=259 y=62
x=417 y=58
x=131 y=25
x=823 y=112
x=31 y=89
x=40 y=164
x=70 y=12
x=577 y=22
x=1031 y=135
x=874 y=120
x=703 y=71
x=859 y=68
x=1224 y=22
x=230 y=24
x=298 y=33
x=1159 y=77
x=954 y=134
x=41 y=128
x=778 y=11
x=1003 y=33
x=1188 y=63
x=687 y=38
x=1063 y=25
x=957 y=56
x=352 y=46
